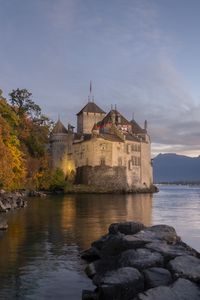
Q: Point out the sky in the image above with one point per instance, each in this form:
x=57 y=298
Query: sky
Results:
x=142 y=55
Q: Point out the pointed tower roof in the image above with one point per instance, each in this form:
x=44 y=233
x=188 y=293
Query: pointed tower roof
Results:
x=59 y=128
x=91 y=107
x=136 y=128
x=108 y=118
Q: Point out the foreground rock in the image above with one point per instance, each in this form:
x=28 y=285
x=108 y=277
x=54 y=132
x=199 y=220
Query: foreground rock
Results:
x=134 y=262
x=10 y=201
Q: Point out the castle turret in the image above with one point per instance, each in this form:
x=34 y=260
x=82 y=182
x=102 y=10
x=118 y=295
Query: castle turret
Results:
x=88 y=116
x=59 y=143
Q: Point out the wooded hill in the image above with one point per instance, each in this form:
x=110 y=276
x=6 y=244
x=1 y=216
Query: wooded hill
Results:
x=24 y=133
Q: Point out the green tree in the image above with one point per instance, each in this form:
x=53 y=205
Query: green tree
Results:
x=57 y=180
x=23 y=104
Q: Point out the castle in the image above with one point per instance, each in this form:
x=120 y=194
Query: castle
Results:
x=107 y=151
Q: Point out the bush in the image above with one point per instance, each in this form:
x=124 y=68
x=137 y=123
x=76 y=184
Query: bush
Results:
x=58 y=180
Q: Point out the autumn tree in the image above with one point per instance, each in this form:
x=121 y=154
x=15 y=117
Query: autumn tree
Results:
x=24 y=132
x=12 y=163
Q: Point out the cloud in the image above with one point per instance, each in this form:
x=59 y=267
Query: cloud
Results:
x=121 y=46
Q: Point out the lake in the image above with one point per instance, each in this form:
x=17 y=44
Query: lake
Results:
x=40 y=252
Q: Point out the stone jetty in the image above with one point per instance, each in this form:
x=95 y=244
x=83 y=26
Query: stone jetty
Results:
x=134 y=262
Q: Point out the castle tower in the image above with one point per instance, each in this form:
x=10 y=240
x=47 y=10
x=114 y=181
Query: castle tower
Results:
x=89 y=115
x=58 y=146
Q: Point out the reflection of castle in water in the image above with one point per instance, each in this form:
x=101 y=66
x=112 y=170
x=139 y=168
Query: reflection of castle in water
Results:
x=88 y=219
x=139 y=208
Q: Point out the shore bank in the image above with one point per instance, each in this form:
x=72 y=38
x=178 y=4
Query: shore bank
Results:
x=87 y=189
x=10 y=201
x=134 y=262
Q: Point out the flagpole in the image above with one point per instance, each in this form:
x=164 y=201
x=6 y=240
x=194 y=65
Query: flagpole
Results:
x=90 y=90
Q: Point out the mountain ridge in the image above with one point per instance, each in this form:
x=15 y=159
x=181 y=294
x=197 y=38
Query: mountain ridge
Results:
x=172 y=167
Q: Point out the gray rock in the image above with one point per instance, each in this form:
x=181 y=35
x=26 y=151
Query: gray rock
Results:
x=109 y=245
x=159 y=232
x=33 y=193
x=123 y=283
x=186 y=267
x=157 y=276
x=182 y=289
x=2 y=206
x=169 y=251
x=134 y=242
x=186 y=290
x=9 y=201
x=126 y=227
x=90 y=254
x=89 y=295
x=158 y=293
x=98 y=244
x=102 y=266
x=140 y=259
x=90 y=270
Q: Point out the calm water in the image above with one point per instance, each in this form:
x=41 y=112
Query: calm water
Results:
x=39 y=254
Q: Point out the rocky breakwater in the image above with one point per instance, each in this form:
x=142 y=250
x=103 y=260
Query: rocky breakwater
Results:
x=134 y=262
x=10 y=201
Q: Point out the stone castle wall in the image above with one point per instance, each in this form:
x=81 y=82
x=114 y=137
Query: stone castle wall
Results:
x=103 y=177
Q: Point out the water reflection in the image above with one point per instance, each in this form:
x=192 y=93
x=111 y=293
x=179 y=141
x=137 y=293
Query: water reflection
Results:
x=39 y=254
x=88 y=217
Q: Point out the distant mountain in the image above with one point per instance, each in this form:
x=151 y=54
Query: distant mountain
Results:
x=175 y=168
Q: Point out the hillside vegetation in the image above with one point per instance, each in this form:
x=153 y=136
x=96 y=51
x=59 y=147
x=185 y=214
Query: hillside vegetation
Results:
x=24 y=133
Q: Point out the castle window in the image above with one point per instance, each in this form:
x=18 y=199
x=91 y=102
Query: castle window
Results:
x=130 y=165
x=102 y=161
x=102 y=146
x=128 y=148
x=119 y=161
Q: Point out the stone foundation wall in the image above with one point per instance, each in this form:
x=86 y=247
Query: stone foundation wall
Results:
x=103 y=177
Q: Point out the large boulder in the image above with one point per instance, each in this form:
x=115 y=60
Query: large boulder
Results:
x=134 y=261
x=123 y=283
x=157 y=277
x=90 y=254
x=157 y=293
x=182 y=289
x=109 y=245
x=126 y=228
x=140 y=259
x=159 y=232
x=101 y=266
x=169 y=251
x=186 y=266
